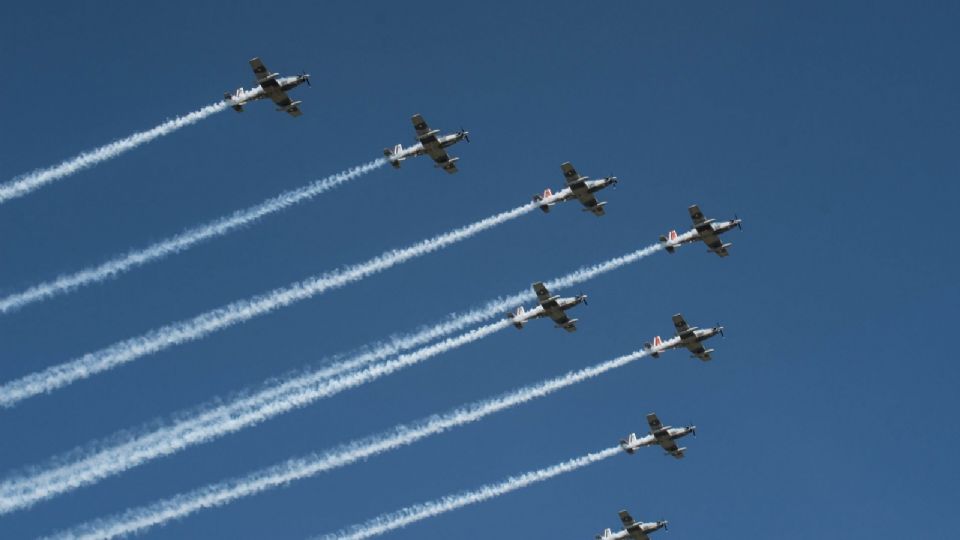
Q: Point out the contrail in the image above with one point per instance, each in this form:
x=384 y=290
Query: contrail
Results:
x=250 y=407
x=89 y=364
x=222 y=493
x=418 y=512
x=22 y=493
x=31 y=181
x=182 y=241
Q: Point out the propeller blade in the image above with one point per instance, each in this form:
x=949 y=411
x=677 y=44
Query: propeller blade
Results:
x=739 y=226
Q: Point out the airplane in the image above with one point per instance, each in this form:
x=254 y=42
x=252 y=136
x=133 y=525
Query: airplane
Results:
x=687 y=336
x=665 y=436
x=632 y=530
x=428 y=143
x=272 y=86
x=550 y=306
x=578 y=187
x=707 y=230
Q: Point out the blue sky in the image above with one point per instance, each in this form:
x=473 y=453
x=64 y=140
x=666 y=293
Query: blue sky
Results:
x=830 y=128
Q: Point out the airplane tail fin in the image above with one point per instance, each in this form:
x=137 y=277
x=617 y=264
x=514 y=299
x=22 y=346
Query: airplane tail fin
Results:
x=547 y=193
x=654 y=347
x=668 y=241
x=516 y=317
x=607 y=533
x=627 y=444
x=395 y=156
x=235 y=100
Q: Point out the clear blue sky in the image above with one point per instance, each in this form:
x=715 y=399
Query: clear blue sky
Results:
x=831 y=128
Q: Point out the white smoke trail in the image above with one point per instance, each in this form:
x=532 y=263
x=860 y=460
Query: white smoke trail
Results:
x=19 y=494
x=222 y=493
x=182 y=241
x=90 y=364
x=250 y=407
x=31 y=181
x=418 y=512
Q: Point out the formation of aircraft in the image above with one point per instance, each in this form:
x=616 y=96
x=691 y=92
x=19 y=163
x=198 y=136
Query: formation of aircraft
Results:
x=632 y=529
x=581 y=188
x=271 y=85
x=687 y=336
x=430 y=144
x=578 y=187
x=665 y=436
x=706 y=230
x=549 y=306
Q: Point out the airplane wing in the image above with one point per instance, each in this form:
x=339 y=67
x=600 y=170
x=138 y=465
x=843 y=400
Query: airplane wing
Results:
x=428 y=138
x=680 y=324
x=561 y=319
x=699 y=351
x=439 y=155
x=588 y=200
x=697 y=216
x=704 y=227
x=670 y=446
x=578 y=186
x=268 y=82
x=424 y=134
x=263 y=75
x=571 y=176
x=713 y=242
x=551 y=308
x=655 y=423
x=542 y=293
x=628 y=522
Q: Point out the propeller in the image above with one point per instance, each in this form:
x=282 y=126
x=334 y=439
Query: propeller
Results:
x=693 y=429
x=720 y=330
x=737 y=219
x=464 y=134
x=583 y=298
x=306 y=78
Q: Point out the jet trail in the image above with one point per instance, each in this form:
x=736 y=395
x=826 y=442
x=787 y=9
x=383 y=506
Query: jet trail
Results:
x=225 y=492
x=90 y=364
x=182 y=241
x=18 y=494
x=250 y=407
x=29 y=182
x=418 y=512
